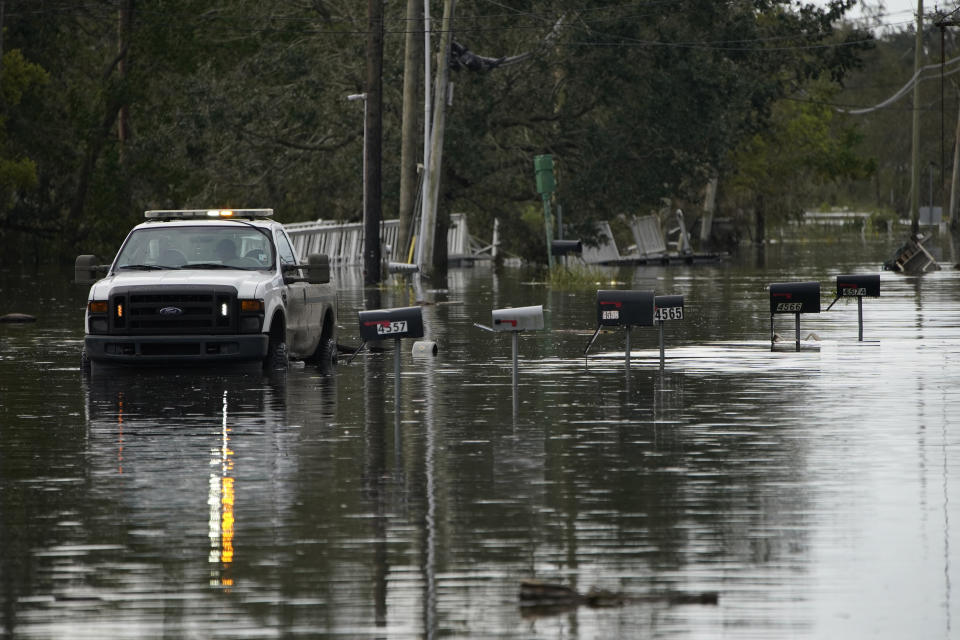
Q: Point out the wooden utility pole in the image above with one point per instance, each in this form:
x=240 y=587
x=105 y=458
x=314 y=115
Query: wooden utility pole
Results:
x=915 y=154
x=408 y=130
x=124 y=22
x=709 y=207
x=429 y=222
x=373 y=120
x=953 y=216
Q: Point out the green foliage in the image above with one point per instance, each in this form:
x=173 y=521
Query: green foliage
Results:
x=17 y=173
x=240 y=102
x=780 y=168
x=576 y=277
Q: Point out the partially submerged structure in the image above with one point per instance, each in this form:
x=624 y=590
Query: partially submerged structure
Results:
x=343 y=241
x=650 y=244
x=912 y=258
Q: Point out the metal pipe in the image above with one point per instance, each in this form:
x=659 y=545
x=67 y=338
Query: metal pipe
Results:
x=515 y=340
x=798 y=331
x=396 y=376
x=860 y=315
x=661 y=344
x=627 y=358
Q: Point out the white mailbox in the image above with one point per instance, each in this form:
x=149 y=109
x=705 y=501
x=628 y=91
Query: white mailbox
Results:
x=518 y=318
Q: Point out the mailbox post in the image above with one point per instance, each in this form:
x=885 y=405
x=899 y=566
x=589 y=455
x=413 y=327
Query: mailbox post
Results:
x=666 y=309
x=515 y=320
x=623 y=308
x=795 y=298
x=399 y=323
x=543 y=168
x=859 y=287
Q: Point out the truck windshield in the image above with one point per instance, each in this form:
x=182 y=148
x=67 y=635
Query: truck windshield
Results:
x=226 y=246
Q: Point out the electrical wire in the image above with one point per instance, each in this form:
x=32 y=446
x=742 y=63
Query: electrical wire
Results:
x=906 y=87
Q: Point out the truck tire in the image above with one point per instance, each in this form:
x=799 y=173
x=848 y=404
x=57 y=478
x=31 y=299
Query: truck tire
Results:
x=278 y=358
x=84 y=361
x=326 y=355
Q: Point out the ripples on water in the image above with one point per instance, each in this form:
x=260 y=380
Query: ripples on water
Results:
x=812 y=490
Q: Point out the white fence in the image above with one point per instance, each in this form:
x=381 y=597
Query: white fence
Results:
x=343 y=242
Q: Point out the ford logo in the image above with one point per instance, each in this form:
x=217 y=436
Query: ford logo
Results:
x=171 y=311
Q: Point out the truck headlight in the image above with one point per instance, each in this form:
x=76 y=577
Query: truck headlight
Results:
x=97 y=311
x=251 y=316
x=251 y=306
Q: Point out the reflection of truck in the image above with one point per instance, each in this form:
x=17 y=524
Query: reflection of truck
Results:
x=209 y=286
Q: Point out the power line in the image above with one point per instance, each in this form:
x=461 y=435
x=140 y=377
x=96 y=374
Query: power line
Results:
x=905 y=88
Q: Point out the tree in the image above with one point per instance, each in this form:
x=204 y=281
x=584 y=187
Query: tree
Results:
x=635 y=104
x=778 y=170
x=18 y=173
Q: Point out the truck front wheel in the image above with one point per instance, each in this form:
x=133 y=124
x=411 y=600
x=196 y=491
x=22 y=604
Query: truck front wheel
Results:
x=326 y=355
x=277 y=355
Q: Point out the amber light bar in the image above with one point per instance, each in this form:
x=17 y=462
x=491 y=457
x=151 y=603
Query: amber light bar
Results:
x=198 y=214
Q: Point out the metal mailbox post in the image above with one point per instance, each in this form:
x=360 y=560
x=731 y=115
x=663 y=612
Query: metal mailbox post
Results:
x=515 y=320
x=859 y=287
x=623 y=308
x=795 y=298
x=399 y=323
x=667 y=309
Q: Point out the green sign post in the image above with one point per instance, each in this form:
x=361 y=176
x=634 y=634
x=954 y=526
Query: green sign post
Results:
x=543 y=167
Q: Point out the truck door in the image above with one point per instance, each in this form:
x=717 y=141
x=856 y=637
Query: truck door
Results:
x=296 y=300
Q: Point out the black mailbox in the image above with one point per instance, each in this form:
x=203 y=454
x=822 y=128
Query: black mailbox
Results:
x=668 y=308
x=624 y=308
x=795 y=297
x=381 y=324
x=564 y=247
x=854 y=286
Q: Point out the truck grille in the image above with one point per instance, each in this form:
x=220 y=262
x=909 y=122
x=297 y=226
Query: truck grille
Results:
x=173 y=310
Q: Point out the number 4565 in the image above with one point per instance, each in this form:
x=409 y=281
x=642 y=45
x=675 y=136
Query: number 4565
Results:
x=668 y=313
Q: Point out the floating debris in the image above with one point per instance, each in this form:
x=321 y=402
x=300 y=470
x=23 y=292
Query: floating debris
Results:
x=912 y=257
x=539 y=598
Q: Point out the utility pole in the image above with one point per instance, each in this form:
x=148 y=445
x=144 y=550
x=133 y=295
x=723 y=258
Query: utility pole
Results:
x=953 y=217
x=709 y=208
x=428 y=223
x=125 y=19
x=373 y=121
x=915 y=153
x=408 y=130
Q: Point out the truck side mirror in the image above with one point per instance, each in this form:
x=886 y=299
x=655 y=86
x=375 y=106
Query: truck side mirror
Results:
x=318 y=268
x=86 y=269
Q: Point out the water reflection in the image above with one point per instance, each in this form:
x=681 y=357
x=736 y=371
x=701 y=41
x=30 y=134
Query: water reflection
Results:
x=811 y=490
x=221 y=500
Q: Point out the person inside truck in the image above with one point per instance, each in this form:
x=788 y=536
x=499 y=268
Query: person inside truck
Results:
x=226 y=250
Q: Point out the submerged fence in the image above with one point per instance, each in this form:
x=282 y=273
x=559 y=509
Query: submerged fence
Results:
x=343 y=242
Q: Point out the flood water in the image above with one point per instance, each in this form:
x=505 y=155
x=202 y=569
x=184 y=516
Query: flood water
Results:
x=815 y=492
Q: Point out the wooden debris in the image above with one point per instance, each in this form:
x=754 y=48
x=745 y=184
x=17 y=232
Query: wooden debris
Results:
x=912 y=257
x=538 y=598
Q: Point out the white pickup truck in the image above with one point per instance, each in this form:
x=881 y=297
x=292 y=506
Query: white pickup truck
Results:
x=208 y=286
